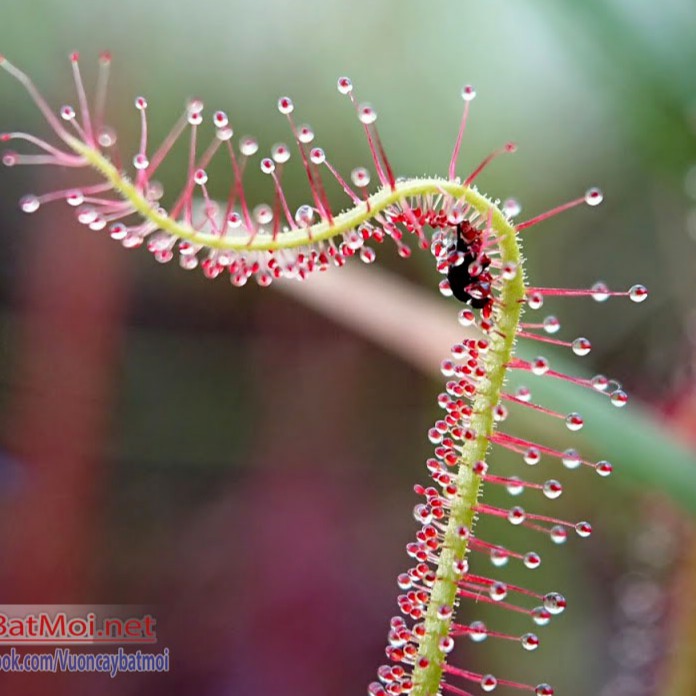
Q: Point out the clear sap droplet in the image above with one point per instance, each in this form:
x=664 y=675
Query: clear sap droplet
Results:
x=344 y=84
x=29 y=204
x=583 y=529
x=511 y=207
x=75 y=198
x=500 y=413
x=558 y=534
x=460 y=566
x=263 y=214
x=543 y=690
x=574 y=422
x=285 y=105
x=107 y=137
x=529 y=641
x=446 y=644
x=554 y=602
x=304 y=216
x=360 y=177
x=551 y=325
x=600 y=382
x=99 y=223
x=581 y=346
x=552 y=489
x=603 y=468
x=488 y=682
x=468 y=93
x=456 y=215
x=444 y=611
x=541 y=616
x=532 y=560
x=540 y=366
x=435 y=436
x=447 y=368
x=305 y=134
x=367 y=255
x=220 y=119
x=445 y=288
x=367 y=114
x=353 y=239
x=571 y=459
x=188 y=262
x=600 y=292
x=86 y=215
x=478 y=631
x=499 y=556
x=532 y=456
x=535 y=300
x=317 y=155
x=466 y=317
x=594 y=196
x=523 y=394
x=118 y=231
x=638 y=293
x=248 y=146
x=480 y=468
x=516 y=515
x=140 y=161
x=234 y=220
x=267 y=165
x=509 y=270
x=619 y=398
x=280 y=152
x=514 y=486
x=67 y=113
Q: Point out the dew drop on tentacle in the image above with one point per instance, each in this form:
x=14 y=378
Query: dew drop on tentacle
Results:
x=511 y=207
x=532 y=456
x=67 y=113
x=571 y=459
x=558 y=535
x=618 y=398
x=554 y=603
x=604 y=468
x=499 y=556
x=638 y=293
x=594 y=196
x=529 y=641
x=574 y=421
x=600 y=292
x=552 y=489
x=551 y=325
x=532 y=560
x=535 y=300
x=280 y=153
x=581 y=346
x=29 y=204
x=345 y=86
x=367 y=114
x=488 y=682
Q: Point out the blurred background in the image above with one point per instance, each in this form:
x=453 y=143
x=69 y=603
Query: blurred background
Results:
x=243 y=464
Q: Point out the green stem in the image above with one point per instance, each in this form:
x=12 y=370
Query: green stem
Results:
x=444 y=591
x=350 y=219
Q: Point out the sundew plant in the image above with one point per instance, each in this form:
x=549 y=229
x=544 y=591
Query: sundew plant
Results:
x=475 y=243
